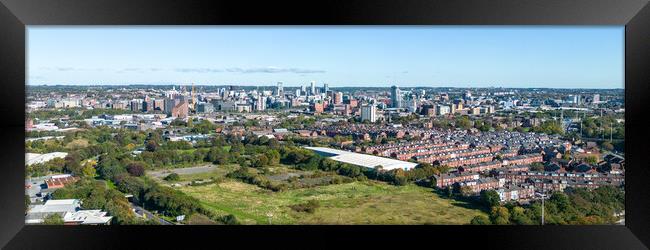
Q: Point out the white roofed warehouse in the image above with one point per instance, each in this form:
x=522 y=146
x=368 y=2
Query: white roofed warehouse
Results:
x=364 y=160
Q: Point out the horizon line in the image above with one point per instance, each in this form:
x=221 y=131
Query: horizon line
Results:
x=273 y=86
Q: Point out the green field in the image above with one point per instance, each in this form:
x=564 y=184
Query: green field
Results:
x=367 y=202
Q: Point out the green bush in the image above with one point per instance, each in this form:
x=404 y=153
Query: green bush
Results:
x=54 y=219
x=229 y=220
x=172 y=177
x=309 y=207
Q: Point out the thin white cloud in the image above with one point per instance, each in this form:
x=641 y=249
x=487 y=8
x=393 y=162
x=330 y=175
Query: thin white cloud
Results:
x=263 y=70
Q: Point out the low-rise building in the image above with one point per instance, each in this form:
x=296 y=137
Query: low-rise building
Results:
x=69 y=210
x=60 y=181
x=482 y=184
x=517 y=193
x=523 y=159
x=444 y=180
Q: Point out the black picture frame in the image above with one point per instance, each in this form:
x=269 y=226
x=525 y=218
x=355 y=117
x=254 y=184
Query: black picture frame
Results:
x=16 y=14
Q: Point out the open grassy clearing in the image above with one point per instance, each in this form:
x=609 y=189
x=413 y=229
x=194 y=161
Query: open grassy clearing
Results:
x=219 y=171
x=195 y=173
x=366 y=202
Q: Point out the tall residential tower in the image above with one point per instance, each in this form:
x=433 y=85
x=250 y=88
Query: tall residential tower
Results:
x=396 y=97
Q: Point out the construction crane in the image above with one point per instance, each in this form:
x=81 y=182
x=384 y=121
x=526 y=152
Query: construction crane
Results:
x=193 y=98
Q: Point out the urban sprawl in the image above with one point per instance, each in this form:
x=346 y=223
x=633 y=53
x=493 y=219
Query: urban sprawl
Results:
x=524 y=144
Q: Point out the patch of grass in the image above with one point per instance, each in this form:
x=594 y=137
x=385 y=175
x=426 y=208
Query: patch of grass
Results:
x=218 y=172
x=199 y=219
x=110 y=184
x=367 y=202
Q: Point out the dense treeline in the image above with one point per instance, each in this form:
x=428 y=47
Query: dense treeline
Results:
x=602 y=127
x=574 y=206
x=76 y=113
x=117 y=139
x=549 y=127
x=128 y=178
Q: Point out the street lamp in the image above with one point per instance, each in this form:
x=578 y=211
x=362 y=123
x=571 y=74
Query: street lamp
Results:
x=543 y=209
x=542 y=195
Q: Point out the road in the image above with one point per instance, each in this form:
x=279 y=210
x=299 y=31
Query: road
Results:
x=139 y=210
x=615 y=154
x=600 y=139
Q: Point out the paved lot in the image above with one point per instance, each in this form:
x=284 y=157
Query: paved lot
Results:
x=36 y=185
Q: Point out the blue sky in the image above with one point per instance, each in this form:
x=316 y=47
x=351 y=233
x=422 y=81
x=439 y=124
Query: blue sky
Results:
x=431 y=56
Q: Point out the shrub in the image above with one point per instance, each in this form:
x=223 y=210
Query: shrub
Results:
x=309 y=207
x=172 y=177
x=229 y=220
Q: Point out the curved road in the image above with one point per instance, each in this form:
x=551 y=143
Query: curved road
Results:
x=139 y=210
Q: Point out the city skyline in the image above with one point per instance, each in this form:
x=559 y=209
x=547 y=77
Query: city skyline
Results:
x=433 y=56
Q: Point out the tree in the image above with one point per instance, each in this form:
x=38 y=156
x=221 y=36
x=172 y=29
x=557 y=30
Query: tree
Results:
x=56 y=164
x=135 y=169
x=273 y=156
x=490 y=198
x=203 y=127
x=261 y=161
x=608 y=146
x=536 y=166
x=551 y=167
x=591 y=159
x=465 y=191
x=549 y=127
x=151 y=146
x=463 y=123
x=561 y=200
x=217 y=155
x=130 y=185
x=88 y=168
x=89 y=171
x=108 y=168
x=480 y=220
x=399 y=178
x=519 y=217
x=28 y=202
x=424 y=165
x=54 y=219
x=500 y=215
x=72 y=163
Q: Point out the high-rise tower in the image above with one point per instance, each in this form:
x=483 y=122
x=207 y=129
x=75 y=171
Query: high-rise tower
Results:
x=396 y=97
x=279 y=90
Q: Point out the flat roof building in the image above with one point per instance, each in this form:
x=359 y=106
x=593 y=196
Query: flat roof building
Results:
x=364 y=160
x=69 y=210
x=33 y=158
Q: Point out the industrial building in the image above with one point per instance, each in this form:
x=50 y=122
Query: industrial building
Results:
x=364 y=160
